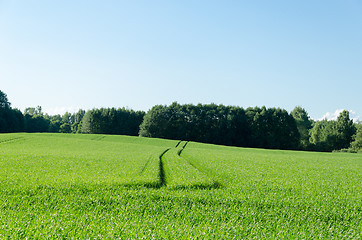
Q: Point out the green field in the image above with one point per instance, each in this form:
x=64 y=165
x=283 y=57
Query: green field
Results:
x=102 y=186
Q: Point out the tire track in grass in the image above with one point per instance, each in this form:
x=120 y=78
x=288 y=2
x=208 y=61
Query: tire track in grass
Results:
x=146 y=164
x=181 y=149
x=152 y=174
x=98 y=138
x=176 y=172
x=179 y=174
x=9 y=140
x=162 y=169
x=216 y=184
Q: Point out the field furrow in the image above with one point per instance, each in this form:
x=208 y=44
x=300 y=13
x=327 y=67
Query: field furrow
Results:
x=179 y=173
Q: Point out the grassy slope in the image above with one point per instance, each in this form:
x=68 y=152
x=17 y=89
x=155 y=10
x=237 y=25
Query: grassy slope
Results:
x=94 y=186
x=312 y=194
x=52 y=159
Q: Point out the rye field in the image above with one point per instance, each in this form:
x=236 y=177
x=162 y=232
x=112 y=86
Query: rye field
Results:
x=120 y=187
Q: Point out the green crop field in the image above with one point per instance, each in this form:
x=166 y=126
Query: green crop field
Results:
x=109 y=187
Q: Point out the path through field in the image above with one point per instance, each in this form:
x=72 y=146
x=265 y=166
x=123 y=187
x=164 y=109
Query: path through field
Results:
x=179 y=173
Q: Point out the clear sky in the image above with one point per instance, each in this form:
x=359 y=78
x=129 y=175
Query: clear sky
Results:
x=65 y=55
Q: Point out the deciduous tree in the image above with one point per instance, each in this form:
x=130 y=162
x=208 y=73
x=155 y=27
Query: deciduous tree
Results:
x=304 y=124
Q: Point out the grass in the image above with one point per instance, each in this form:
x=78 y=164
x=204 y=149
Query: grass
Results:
x=179 y=173
x=97 y=186
x=31 y=160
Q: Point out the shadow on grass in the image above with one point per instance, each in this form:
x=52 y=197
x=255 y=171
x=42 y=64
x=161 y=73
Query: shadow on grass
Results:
x=65 y=189
x=151 y=185
x=199 y=186
x=158 y=185
x=83 y=188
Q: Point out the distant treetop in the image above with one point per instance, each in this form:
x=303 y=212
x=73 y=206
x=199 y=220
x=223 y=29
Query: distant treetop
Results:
x=4 y=102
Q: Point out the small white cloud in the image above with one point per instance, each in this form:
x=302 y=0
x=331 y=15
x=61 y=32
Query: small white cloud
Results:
x=334 y=116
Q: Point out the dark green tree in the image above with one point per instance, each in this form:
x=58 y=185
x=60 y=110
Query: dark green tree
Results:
x=37 y=123
x=55 y=122
x=11 y=120
x=272 y=128
x=345 y=130
x=33 y=111
x=35 y=120
x=323 y=136
x=76 y=126
x=112 y=121
x=156 y=122
x=68 y=118
x=304 y=124
x=65 y=128
x=4 y=102
x=333 y=135
x=356 y=145
x=89 y=122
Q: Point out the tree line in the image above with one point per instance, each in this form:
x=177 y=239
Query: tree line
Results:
x=219 y=124
x=258 y=127
x=105 y=120
x=96 y=121
x=272 y=128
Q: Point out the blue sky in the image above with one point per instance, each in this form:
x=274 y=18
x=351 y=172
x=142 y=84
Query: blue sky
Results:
x=65 y=55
